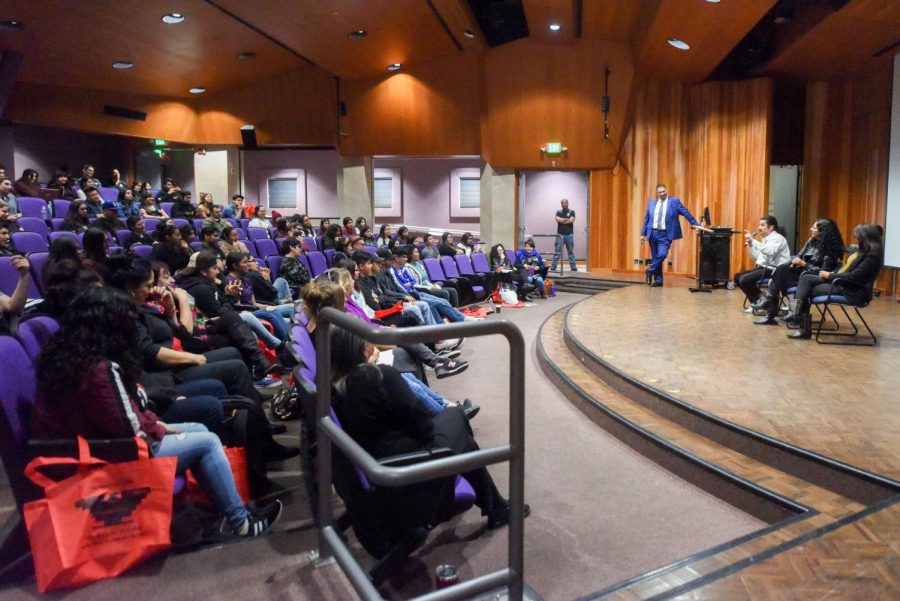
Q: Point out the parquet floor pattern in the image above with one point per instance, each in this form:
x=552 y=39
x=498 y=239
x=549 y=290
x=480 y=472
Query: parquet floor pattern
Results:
x=838 y=401
x=830 y=506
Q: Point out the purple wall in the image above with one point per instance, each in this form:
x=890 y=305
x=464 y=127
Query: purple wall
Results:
x=426 y=190
x=543 y=191
x=321 y=168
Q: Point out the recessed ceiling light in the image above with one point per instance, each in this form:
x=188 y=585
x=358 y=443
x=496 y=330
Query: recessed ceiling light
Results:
x=9 y=26
x=358 y=34
x=469 y=33
x=678 y=44
x=172 y=18
x=245 y=56
x=123 y=65
x=713 y=1
x=394 y=67
x=555 y=27
x=197 y=90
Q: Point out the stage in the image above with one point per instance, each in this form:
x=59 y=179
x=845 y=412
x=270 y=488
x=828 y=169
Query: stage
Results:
x=801 y=435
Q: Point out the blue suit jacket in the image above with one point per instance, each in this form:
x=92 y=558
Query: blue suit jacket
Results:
x=673 y=226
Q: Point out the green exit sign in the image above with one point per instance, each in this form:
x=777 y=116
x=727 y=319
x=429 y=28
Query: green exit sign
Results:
x=553 y=148
x=158 y=142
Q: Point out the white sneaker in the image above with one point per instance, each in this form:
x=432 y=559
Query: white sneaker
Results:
x=450 y=343
x=471 y=318
x=748 y=310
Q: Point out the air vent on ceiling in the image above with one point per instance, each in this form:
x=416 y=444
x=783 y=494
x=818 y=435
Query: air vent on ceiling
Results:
x=118 y=111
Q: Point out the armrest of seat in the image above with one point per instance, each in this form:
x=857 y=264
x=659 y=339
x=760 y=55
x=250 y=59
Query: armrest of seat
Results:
x=415 y=457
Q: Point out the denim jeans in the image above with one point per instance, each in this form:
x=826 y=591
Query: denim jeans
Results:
x=281 y=286
x=421 y=312
x=569 y=241
x=201 y=452
x=432 y=401
x=442 y=307
x=252 y=320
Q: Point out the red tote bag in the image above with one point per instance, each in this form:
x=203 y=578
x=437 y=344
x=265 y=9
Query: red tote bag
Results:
x=237 y=459
x=103 y=520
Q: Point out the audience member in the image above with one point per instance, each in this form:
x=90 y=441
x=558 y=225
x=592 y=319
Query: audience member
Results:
x=181 y=206
x=360 y=224
x=430 y=251
x=8 y=220
x=260 y=219
x=188 y=233
x=7 y=197
x=324 y=224
x=384 y=236
x=93 y=201
x=230 y=241
x=60 y=182
x=529 y=259
x=238 y=271
x=169 y=189
x=404 y=278
x=467 y=244
x=108 y=221
x=209 y=238
x=76 y=219
x=768 y=253
x=28 y=185
x=7 y=248
x=87 y=386
x=292 y=270
x=205 y=206
x=418 y=271
x=13 y=306
x=215 y=219
x=506 y=273
x=446 y=248
x=127 y=204
x=365 y=232
x=149 y=208
x=94 y=249
x=235 y=210
x=348 y=230
x=170 y=248
x=116 y=181
x=87 y=179
x=306 y=228
x=138 y=233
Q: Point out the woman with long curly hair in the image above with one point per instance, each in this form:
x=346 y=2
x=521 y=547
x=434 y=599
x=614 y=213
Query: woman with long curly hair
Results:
x=88 y=386
x=76 y=219
x=823 y=251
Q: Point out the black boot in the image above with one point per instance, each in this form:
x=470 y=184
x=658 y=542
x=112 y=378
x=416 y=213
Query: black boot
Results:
x=804 y=332
x=793 y=312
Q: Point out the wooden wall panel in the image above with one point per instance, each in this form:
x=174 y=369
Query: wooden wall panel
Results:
x=709 y=144
x=292 y=108
x=538 y=93
x=429 y=109
x=847 y=151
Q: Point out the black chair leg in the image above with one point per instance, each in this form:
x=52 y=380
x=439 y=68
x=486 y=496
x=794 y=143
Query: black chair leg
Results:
x=16 y=562
x=390 y=563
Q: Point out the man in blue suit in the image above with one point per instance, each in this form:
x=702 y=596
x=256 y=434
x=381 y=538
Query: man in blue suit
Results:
x=661 y=228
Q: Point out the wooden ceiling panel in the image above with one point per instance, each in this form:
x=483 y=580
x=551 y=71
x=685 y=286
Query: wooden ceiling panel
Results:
x=399 y=31
x=75 y=44
x=844 y=44
x=540 y=14
x=614 y=21
x=711 y=29
x=459 y=19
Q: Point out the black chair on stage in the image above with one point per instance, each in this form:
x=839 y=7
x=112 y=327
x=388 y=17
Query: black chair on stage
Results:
x=838 y=299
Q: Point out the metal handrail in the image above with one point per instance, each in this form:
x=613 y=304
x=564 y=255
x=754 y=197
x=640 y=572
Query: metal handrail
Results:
x=330 y=542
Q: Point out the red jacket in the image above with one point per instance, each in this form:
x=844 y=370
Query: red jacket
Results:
x=99 y=408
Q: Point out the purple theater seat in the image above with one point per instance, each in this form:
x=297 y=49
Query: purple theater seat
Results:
x=9 y=278
x=150 y=225
x=245 y=223
x=310 y=243
x=198 y=225
x=434 y=270
x=30 y=242
x=61 y=207
x=57 y=235
x=122 y=235
x=180 y=223
x=257 y=233
x=34 y=224
x=303 y=346
x=242 y=235
x=196 y=245
x=57 y=223
x=371 y=249
x=511 y=256
x=109 y=194
x=17 y=386
x=480 y=263
x=464 y=264
x=317 y=263
x=142 y=250
x=38 y=260
x=320 y=244
x=304 y=260
x=232 y=223
x=114 y=250
x=449 y=267
x=266 y=248
x=329 y=256
x=251 y=248
x=274 y=264
x=35 y=332
x=30 y=206
x=166 y=207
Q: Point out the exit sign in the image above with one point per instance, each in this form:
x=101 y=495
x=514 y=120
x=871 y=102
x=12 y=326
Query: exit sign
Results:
x=553 y=148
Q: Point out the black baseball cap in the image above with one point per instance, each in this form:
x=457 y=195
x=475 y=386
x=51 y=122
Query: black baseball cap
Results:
x=362 y=256
x=385 y=253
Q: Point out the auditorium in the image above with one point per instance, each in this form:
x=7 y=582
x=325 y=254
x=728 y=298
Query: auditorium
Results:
x=260 y=261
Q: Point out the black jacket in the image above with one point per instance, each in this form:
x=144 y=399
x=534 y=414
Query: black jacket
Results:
x=854 y=283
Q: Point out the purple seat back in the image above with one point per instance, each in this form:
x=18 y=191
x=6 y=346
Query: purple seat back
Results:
x=310 y=243
x=142 y=250
x=434 y=271
x=371 y=249
x=511 y=256
x=304 y=260
x=34 y=224
x=121 y=236
x=179 y=223
x=150 y=225
x=320 y=243
x=232 y=223
x=241 y=234
x=109 y=194
x=61 y=207
x=274 y=263
x=30 y=206
x=196 y=245
x=464 y=264
x=35 y=332
x=57 y=222
x=266 y=248
x=480 y=263
x=317 y=263
x=17 y=386
x=251 y=248
x=449 y=266
x=302 y=343
x=198 y=225
x=30 y=242
x=329 y=256
x=257 y=233
x=57 y=235
x=166 y=207
x=245 y=223
x=38 y=260
x=114 y=250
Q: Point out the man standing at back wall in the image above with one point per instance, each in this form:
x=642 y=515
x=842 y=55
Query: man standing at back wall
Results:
x=565 y=218
x=661 y=228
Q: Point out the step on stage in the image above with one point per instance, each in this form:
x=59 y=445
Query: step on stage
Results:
x=803 y=435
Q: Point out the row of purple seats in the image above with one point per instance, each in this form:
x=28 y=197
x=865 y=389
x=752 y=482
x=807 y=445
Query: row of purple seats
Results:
x=460 y=266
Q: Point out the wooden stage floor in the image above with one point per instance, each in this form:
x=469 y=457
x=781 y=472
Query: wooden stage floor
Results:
x=837 y=401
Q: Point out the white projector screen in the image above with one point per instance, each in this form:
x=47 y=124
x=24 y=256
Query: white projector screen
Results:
x=892 y=218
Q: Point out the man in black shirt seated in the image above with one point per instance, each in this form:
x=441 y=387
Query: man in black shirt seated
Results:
x=108 y=220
